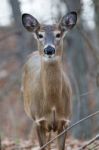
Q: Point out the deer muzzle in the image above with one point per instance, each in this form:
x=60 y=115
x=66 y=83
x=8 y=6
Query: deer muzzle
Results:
x=49 y=50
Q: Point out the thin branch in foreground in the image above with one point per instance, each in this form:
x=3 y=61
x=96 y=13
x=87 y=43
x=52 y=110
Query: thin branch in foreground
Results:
x=78 y=122
x=96 y=147
x=89 y=92
x=90 y=142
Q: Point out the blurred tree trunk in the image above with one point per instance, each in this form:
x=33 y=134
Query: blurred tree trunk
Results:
x=24 y=38
x=96 y=70
x=73 y=5
x=96 y=3
x=93 y=69
x=77 y=56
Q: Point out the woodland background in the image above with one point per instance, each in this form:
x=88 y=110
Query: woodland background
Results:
x=81 y=55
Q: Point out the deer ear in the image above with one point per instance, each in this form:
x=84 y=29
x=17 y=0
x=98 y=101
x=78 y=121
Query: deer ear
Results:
x=30 y=23
x=68 y=21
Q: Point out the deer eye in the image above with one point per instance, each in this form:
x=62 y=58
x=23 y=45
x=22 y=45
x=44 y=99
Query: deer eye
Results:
x=58 y=35
x=40 y=36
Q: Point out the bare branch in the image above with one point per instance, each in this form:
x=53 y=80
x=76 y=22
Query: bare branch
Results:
x=96 y=147
x=78 y=122
x=89 y=92
x=90 y=142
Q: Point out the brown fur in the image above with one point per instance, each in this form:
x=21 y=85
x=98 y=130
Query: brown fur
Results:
x=46 y=91
x=45 y=86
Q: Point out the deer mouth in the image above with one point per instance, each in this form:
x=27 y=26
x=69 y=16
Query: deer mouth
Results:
x=49 y=56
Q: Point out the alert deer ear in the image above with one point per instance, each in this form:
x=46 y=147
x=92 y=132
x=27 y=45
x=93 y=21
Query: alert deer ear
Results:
x=68 y=21
x=30 y=23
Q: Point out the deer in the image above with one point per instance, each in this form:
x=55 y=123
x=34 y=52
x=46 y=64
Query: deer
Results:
x=47 y=91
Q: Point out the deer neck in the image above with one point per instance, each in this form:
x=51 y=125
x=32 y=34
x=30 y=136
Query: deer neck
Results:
x=51 y=74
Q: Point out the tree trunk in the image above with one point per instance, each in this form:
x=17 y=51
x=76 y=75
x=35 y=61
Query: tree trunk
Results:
x=24 y=45
x=77 y=57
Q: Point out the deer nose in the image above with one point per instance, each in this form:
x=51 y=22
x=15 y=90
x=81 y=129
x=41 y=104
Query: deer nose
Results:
x=49 y=50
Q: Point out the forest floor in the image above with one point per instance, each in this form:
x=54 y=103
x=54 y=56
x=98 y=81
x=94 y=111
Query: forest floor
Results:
x=71 y=144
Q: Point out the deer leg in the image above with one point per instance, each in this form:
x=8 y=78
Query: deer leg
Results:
x=49 y=138
x=63 y=124
x=41 y=132
x=61 y=140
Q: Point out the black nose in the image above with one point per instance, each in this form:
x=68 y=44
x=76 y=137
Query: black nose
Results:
x=49 y=50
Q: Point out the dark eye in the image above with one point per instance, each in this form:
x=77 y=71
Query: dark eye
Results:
x=40 y=36
x=58 y=35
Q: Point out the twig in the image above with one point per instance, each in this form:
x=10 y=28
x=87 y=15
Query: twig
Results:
x=96 y=146
x=89 y=92
x=90 y=142
x=78 y=122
